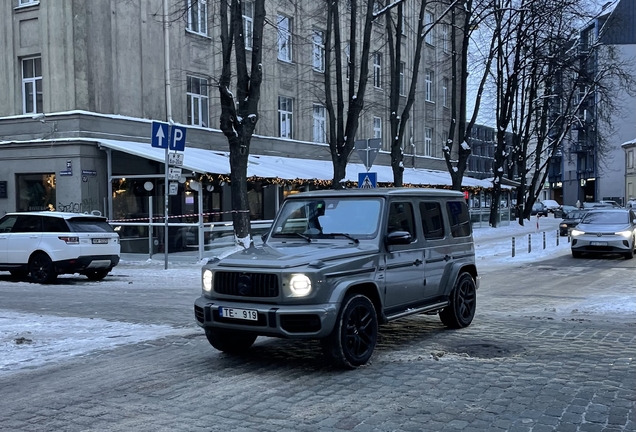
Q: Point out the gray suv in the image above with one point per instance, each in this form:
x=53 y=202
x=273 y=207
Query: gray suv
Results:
x=336 y=264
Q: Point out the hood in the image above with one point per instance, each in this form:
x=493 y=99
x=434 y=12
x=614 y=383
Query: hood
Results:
x=288 y=255
x=603 y=228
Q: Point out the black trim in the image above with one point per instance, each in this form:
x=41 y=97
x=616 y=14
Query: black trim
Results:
x=434 y=260
x=352 y=272
x=271 y=317
x=415 y=305
x=400 y=265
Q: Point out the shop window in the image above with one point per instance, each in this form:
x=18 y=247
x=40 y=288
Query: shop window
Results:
x=35 y=192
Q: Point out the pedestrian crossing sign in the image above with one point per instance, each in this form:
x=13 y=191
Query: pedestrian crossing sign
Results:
x=367 y=180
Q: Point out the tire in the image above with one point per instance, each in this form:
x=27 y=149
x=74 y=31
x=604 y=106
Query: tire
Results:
x=41 y=268
x=353 y=339
x=97 y=275
x=231 y=342
x=629 y=255
x=577 y=254
x=19 y=274
x=463 y=303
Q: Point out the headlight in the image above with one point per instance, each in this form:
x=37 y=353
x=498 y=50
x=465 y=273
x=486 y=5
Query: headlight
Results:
x=207 y=280
x=626 y=234
x=576 y=233
x=563 y=225
x=300 y=285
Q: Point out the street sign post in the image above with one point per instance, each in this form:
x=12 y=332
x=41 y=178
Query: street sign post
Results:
x=367 y=180
x=159 y=135
x=368 y=149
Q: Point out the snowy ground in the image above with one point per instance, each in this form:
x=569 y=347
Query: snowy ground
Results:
x=50 y=339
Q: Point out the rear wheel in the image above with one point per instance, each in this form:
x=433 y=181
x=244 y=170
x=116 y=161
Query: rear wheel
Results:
x=232 y=342
x=97 y=275
x=41 y=268
x=463 y=303
x=353 y=339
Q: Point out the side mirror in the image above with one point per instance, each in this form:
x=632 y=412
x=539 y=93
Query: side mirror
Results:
x=398 y=238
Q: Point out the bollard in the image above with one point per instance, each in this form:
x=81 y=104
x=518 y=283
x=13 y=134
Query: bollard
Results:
x=529 y=243
x=513 y=247
x=543 y=239
x=558 y=234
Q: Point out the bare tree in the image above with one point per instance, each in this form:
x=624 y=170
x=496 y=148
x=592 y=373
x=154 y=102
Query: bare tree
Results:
x=239 y=113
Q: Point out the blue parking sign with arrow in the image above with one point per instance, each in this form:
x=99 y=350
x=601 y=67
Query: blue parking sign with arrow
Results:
x=159 y=137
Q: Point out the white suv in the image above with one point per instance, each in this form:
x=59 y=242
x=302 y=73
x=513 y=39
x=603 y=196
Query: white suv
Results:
x=45 y=244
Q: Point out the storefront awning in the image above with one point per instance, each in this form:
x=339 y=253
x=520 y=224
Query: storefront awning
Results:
x=217 y=162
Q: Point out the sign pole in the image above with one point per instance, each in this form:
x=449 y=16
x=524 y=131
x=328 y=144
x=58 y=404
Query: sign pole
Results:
x=166 y=52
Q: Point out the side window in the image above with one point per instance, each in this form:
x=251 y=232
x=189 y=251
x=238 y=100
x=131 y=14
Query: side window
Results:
x=54 y=225
x=459 y=218
x=432 y=220
x=28 y=224
x=401 y=218
x=6 y=223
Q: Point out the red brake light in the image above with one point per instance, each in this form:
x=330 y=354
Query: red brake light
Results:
x=69 y=240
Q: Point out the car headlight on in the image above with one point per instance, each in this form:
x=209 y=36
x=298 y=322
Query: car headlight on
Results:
x=576 y=233
x=626 y=234
x=207 y=280
x=299 y=285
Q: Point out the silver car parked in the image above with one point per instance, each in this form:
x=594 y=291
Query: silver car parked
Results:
x=605 y=231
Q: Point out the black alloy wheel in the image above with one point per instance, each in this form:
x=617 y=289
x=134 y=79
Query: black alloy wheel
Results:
x=463 y=303
x=229 y=341
x=355 y=334
x=41 y=268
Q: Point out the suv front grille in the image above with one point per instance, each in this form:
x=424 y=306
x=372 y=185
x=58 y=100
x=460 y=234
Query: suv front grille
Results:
x=246 y=284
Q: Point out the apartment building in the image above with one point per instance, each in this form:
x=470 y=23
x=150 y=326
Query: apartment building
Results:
x=81 y=82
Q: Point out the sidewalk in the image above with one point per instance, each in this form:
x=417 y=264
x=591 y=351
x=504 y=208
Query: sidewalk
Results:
x=485 y=237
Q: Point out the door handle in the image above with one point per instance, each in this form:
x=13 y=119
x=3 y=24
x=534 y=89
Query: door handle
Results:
x=447 y=257
x=417 y=262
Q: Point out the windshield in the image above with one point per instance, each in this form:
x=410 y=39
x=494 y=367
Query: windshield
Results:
x=316 y=218
x=575 y=214
x=609 y=218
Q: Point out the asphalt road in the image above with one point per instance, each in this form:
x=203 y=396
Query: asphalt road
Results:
x=540 y=355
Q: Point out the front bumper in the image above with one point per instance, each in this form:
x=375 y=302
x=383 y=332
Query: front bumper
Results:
x=299 y=322
x=603 y=244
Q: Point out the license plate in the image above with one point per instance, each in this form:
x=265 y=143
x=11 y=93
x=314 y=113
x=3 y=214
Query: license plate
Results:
x=100 y=241
x=242 y=314
x=598 y=243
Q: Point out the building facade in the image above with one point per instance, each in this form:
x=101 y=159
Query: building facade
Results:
x=592 y=166
x=81 y=82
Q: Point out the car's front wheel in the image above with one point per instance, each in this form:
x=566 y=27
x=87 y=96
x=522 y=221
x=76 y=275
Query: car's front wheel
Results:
x=41 y=268
x=232 y=342
x=97 y=275
x=463 y=303
x=353 y=339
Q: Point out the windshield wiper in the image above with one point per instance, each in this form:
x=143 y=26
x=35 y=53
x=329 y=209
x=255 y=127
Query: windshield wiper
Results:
x=349 y=236
x=301 y=236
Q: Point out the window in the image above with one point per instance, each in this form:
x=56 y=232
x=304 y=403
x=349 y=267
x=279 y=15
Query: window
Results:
x=459 y=218
x=198 y=16
x=27 y=2
x=35 y=192
x=318 y=58
x=197 y=100
x=285 y=116
x=429 y=86
x=284 y=38
x=402 y=67
x=377 y=127
x=630 y=159
x=445 y=83
x=32 y=86
x=377 y=70
x=445 y=38
x=428 y=141
x=432 y=221
x=320 y=124
x=429 y=18
x=401 y=218
x=248 y=22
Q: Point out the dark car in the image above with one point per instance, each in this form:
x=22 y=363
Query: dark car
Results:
x=539 y=209
x=570 y=220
